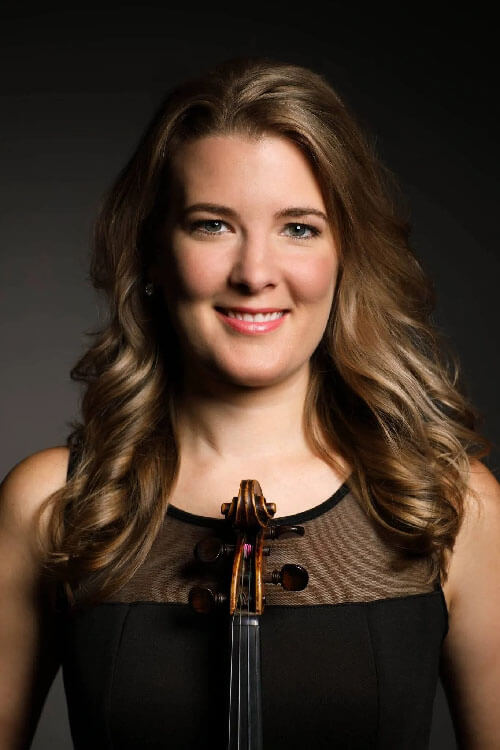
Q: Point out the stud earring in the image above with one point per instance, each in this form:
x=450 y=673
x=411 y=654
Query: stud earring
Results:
x=149 y=289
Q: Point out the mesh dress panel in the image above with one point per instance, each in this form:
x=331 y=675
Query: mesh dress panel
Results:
x=346 y=557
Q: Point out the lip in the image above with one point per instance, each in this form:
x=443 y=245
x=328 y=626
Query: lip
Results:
x=252 y=310
x=249 y=326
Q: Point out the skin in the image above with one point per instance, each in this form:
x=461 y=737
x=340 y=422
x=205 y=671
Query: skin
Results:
x=244 y=395
x=255 y=260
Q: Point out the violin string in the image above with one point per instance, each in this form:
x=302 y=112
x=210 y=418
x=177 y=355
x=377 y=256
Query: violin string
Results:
x=243 y=564
x=231 y=623
x=249 y=723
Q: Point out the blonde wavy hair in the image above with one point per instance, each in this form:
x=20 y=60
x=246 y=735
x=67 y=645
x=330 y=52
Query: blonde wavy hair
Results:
x=384 y=392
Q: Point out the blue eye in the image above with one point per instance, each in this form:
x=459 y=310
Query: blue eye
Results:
x=196 y=226
x=313 y=231
x=202 y=226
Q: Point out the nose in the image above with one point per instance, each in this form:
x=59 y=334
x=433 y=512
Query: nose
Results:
x=255 y=265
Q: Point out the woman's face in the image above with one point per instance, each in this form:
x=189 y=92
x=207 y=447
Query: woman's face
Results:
x=262 y=243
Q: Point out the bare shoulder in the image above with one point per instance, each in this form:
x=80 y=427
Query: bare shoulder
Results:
x=470 y=668
x=47 y=465
x=29 y=642
x=29 y=482
x=479 y=529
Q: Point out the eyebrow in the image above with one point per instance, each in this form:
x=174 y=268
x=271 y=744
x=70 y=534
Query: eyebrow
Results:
x=215 y=208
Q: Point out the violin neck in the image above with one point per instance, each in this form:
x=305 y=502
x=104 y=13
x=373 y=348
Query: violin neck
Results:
x=245 y=696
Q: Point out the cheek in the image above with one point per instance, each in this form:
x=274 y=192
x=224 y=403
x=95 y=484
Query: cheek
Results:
x=196 y=277
x=314 y=278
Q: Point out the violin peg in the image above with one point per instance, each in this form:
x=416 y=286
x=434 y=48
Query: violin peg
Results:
x=203 y=600
x=211 y=549
x=277 y=531
x=225 y=507
x=294 y=577
x=291 y=576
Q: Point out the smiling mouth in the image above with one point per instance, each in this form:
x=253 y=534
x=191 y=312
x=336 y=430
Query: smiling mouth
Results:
x=248 y=324
x=259 y=317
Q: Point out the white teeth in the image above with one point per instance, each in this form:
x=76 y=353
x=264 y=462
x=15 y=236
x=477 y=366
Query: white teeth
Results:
x=258 y=318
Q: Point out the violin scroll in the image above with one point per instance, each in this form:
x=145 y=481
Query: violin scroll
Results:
x=249 y=511
x=249 y=515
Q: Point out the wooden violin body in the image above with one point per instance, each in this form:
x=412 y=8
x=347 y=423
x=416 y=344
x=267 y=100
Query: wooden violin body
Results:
x=249 y=515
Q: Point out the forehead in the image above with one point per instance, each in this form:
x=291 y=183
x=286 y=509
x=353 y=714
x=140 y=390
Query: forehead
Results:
x=241 y=166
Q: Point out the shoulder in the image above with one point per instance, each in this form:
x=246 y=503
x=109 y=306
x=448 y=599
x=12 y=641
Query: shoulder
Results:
x=470 y=668
x=28 y=483
x=39 y=473
x=30 y=634
x=478 y=536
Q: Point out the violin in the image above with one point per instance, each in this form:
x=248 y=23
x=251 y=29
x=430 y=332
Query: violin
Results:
x=249 y=516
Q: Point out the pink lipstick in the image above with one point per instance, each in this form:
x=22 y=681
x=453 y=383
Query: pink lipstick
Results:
x=251 y=327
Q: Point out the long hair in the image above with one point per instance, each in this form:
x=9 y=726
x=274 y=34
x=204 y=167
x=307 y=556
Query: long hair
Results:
x=385 y=390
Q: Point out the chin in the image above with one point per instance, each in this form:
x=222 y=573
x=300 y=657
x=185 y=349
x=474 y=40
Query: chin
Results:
x=257 y=378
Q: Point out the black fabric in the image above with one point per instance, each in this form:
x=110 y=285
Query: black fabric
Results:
x=351 y=675
x=360 y=675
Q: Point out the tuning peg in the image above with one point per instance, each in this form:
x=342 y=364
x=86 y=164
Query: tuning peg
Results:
x=211 y=549
x=224 y=508
x=292 y=577
x=203 y=600
x=277 y=531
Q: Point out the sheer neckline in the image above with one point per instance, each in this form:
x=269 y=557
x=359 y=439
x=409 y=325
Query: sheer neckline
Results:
x=304 y=515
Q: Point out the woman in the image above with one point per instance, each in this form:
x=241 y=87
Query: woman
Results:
x=268 y=320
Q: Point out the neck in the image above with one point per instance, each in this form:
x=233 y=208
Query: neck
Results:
x=218 y=420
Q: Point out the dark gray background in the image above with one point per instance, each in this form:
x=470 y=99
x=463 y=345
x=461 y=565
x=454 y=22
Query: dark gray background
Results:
x=79 y=85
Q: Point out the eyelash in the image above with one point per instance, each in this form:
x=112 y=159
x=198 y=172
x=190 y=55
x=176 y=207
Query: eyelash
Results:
x=195 y=226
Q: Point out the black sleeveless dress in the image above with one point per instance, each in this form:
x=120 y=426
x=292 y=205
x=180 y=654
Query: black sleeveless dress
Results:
x=351 y=662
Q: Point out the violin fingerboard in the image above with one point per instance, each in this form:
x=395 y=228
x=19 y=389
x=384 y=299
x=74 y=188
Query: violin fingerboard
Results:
x=245 y=699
